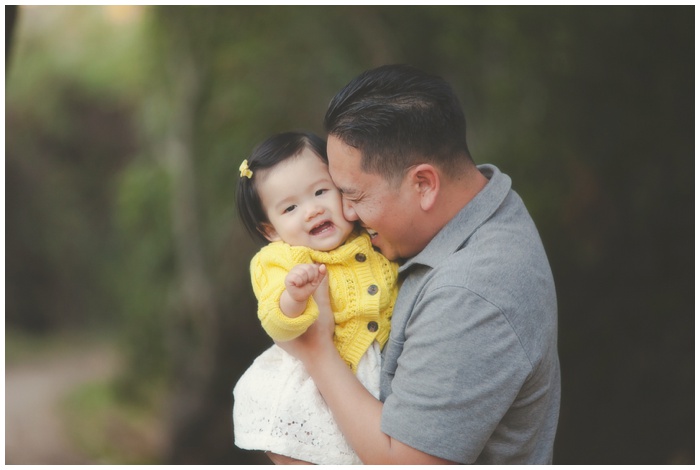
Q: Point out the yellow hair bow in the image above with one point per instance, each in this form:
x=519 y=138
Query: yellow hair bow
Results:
x=245 y=171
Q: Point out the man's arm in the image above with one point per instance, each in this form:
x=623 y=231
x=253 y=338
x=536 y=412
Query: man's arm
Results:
x=357 y=413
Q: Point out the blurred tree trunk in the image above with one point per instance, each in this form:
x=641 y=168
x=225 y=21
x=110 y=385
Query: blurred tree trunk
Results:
x=10 y=20
x=192 y=338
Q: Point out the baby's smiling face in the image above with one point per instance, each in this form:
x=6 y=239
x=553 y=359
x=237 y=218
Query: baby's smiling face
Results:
x=303 y=205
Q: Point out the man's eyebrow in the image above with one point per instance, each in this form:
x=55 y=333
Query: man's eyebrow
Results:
x=347 y=191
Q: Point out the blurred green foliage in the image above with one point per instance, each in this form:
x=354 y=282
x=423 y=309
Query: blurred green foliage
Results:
x=111 y=431
x=125 y=127
x=68 y=135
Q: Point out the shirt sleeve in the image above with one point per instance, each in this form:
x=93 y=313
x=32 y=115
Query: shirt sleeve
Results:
x=268 y=271
x=460 y=369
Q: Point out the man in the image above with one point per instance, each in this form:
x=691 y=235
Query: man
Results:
x=471 y=372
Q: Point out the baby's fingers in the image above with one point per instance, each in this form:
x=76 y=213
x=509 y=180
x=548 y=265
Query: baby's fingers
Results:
x=301 y=275
x=321 y=272
x=296 y=279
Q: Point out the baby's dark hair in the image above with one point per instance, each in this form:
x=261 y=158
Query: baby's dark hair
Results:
x=268 y=154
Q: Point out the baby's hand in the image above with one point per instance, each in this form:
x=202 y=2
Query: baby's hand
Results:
x=303 y=280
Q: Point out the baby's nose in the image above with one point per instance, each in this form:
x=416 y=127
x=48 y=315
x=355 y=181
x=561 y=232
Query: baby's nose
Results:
x=313 y=212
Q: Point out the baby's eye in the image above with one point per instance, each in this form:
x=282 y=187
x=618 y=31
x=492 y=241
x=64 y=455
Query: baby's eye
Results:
x=321 y=191
x=289 y=209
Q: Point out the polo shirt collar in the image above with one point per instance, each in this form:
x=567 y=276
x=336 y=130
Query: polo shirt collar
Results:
x=464 y=224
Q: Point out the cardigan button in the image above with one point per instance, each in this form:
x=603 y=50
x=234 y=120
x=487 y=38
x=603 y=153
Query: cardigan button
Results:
x=361 y=257
x=372 y=326
x=373 y=289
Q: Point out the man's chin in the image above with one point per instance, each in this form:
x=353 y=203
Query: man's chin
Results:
x=388 y=254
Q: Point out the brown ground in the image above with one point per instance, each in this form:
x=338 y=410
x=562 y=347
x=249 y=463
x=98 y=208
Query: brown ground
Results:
x=34 y=430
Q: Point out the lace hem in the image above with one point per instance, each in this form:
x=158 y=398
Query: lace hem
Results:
x=278 y=408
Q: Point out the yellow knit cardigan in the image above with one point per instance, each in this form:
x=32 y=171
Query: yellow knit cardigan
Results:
x=363 y=288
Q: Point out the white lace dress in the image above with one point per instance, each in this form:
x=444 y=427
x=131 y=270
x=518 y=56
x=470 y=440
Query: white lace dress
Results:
x=278 y=408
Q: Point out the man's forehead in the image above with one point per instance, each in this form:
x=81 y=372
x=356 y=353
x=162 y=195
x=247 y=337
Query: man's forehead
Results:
x=343 y=181
x=343 y=164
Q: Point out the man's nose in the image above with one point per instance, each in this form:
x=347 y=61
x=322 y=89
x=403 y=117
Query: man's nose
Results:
x=349 y=211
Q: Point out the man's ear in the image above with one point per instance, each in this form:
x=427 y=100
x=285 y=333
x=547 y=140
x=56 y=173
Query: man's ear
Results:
x=426 y=181
x=270 y=233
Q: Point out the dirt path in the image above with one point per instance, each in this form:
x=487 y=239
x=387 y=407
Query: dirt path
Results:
x=34 y=431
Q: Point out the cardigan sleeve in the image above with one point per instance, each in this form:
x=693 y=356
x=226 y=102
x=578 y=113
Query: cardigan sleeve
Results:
x=268 y=271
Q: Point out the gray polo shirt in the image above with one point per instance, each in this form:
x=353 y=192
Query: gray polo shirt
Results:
x=471 y=371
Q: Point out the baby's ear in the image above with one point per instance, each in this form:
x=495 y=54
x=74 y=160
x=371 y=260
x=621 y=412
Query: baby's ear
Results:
x=270 y=233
